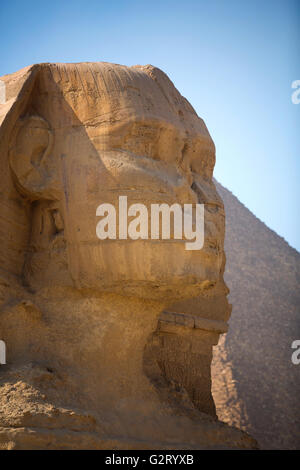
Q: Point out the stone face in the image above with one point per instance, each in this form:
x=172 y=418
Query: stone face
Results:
x=80 y=315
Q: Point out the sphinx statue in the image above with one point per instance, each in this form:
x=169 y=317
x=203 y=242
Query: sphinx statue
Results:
x=108 y=342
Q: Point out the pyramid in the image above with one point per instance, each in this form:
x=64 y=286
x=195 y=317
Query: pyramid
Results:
x=255 y=385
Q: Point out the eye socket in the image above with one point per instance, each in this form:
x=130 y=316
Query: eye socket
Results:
x=203 y=163
x=199 y=155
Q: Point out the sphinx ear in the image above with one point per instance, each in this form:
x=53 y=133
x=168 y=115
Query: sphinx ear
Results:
x=30 y=160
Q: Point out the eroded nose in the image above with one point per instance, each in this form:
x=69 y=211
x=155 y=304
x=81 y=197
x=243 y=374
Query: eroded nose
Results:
x=207 y=194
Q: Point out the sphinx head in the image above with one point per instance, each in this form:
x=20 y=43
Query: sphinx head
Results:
x=91 y=133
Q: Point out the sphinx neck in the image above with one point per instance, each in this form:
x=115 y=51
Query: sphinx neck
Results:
x=104 y=338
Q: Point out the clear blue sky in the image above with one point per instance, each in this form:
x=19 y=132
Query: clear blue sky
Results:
x=233 y=60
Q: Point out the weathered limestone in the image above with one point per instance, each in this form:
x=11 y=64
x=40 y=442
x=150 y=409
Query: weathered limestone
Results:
x=87 y=365
x=186 y=334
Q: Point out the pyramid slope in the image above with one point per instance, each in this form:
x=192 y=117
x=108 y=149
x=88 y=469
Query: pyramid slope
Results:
x=255 y=385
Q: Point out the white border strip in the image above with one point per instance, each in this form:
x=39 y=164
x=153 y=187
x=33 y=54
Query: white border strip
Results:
x=2 y=92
